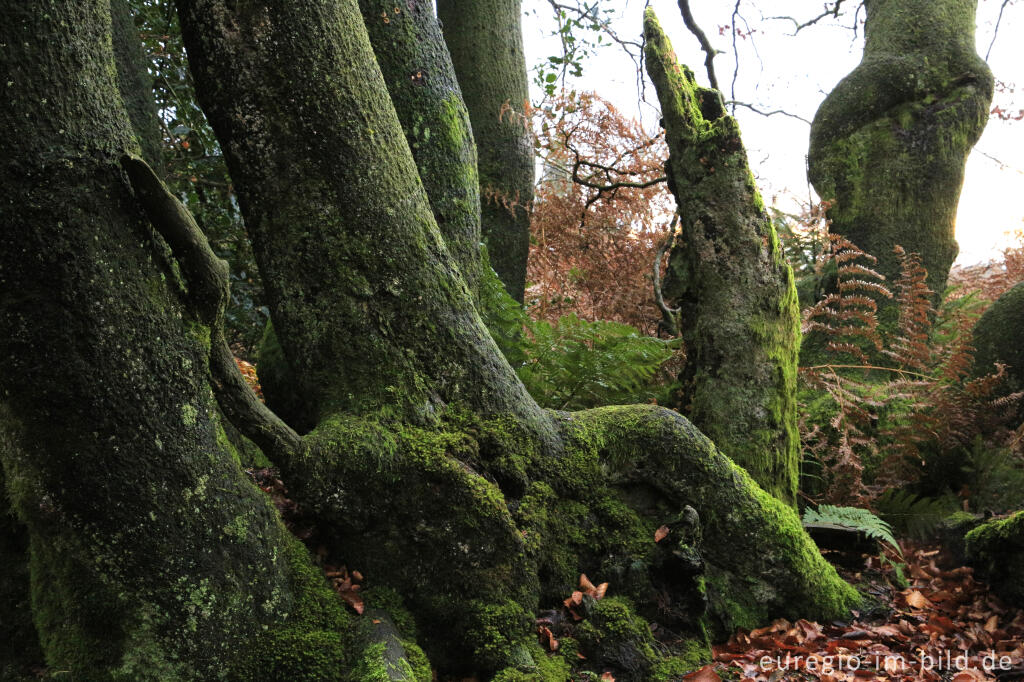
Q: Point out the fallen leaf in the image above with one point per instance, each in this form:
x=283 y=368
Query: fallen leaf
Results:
x=705 y=674
x=585 y=584
x=916 y=600
x=661 y=533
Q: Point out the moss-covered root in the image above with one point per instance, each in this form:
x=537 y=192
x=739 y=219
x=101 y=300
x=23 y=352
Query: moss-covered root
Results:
x=999 y=337
x=407 y=508
x=727 y=273
x=759 y=562
x=889 y=143
x=417 y=68
x=485 y=40
x=996 y=548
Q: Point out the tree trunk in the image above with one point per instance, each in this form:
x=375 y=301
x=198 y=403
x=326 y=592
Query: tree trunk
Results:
x=152 y=554
x=421 y=81
x=430 y=469
x=486 y=45
x=135 y=83
x=740 y=317
x=889 y=143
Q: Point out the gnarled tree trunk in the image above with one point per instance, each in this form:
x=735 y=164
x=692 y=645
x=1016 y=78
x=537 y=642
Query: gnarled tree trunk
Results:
x=740 y=317
x=889 y=143
x=152 y=554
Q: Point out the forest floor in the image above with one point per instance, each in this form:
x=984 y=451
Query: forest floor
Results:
x=929 y=620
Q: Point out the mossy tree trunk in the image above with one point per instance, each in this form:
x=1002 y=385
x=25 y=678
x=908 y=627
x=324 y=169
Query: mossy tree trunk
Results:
x=485 y=40
x=134 y=82
x=740 y=317
x=421 y=80
x=152 y=554
x=889 y=143
x=429 y=467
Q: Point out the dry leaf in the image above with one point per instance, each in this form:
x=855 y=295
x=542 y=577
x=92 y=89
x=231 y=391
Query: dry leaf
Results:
x=705 y=674
x=661 y=533
x=916 y=600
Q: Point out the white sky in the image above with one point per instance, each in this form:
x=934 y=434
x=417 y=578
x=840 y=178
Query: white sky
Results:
x=778 y=70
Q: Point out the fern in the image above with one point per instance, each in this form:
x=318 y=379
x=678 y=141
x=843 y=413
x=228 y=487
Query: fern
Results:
x=914 y=515
x=853 y=518
x=573 y=364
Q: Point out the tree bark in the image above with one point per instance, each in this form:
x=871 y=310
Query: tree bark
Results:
x=421 y=80
x=429 y=468
x=152 y=554
x=135 y=84
x=889 y=143
x=486 y=45
x=739 y=312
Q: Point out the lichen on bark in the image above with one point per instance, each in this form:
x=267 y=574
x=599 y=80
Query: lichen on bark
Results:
x=738 y=304
x=889 y=143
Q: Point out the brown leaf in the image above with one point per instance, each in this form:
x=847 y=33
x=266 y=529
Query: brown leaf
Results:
x=705 y=674
x=661 y=533
x=585 y=584
x=992 y=624
x=916 y=600
x=599 y=592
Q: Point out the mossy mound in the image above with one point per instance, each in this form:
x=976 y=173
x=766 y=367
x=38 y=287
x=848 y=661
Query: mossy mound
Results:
x=996 y=548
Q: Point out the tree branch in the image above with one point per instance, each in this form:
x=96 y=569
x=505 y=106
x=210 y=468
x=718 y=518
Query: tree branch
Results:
x=773 y=112
x=670 y=316
x=995 y=32
x=832 y=11
x=705 y=44
x=207 y=279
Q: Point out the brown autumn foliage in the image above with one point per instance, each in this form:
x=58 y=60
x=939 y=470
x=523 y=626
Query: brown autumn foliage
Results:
x=899 y=396
x=599 y=214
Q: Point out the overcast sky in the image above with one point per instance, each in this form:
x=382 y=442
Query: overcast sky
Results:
x=780 y=71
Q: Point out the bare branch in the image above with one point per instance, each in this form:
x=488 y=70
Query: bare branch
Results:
x=773 y=112
x=830 y=10
x=705 y=44
x=995 y=32
x=735 y=54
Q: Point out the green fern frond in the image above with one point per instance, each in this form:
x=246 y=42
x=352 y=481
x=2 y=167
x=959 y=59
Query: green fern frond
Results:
x=853 y=518
x=914 y=515
x=572 y=364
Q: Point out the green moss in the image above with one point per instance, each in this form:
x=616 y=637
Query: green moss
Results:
x=612 y=635
x=693 y=654
x=548 y=667
x=996 y=548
